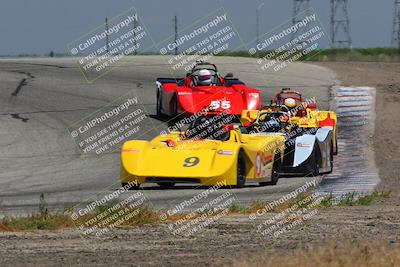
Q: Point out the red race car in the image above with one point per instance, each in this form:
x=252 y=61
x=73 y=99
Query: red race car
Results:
x=287 y=93
x=204 y=89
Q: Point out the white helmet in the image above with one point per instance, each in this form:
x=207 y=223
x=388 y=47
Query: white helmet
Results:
x=290 y=102
x=204 y=77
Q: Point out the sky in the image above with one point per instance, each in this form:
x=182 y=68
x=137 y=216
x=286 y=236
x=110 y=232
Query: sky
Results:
x=41 y=26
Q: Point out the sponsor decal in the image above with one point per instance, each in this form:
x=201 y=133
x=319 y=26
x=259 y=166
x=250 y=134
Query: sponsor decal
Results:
x=303 y=145
x=225 y=152
x=263 y=168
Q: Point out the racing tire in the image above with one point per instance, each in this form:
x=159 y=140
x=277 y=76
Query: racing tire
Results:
x=275 y=174
x=158 y=103
x=240 y=171
x=175 y=106
x=134 y=187
x=331 y=158
x=336 y=150
x=166 y=184
x=312 y=167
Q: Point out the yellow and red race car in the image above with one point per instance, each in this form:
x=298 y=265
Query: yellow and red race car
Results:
x=310 y=135
x=305 y=113
x=214 y=149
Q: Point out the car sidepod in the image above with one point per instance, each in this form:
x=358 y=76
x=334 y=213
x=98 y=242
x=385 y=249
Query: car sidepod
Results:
x=310 y=152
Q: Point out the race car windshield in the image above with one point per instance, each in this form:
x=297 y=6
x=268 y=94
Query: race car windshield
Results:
x=270 y=117
x=270 y=122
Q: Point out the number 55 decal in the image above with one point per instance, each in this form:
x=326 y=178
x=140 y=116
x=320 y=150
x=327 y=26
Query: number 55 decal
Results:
x=223 y=104
x=190 y=162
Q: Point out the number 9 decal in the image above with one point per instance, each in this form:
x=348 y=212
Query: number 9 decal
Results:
x=190 y=162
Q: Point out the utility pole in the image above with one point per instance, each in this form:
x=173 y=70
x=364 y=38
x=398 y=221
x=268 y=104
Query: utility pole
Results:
x=340 y=25
x=135 y=25
x=258 y=23
x=176 y=33
x=107 y=45
x=396 y=25
x=300 y=6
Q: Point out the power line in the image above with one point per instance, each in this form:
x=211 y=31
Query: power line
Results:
x=107 y=44
x=300 y=6
x=340 y=24
x=135 y=25
x=176 y=33
x=258 y=22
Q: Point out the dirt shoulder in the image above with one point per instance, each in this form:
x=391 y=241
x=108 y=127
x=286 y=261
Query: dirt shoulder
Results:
x=225 y=242
x=234 y=237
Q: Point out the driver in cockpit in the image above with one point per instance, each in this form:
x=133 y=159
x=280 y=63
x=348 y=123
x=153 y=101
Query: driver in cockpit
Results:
x=204 y=78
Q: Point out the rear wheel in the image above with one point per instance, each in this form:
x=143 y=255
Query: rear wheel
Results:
x=158 y=104
x=336 y=147
x=166 y=184
x=240 y=171
x=312 y=167
x=175 y=105
x=331 y=158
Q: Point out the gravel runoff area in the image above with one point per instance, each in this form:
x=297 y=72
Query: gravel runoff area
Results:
x=235 y=237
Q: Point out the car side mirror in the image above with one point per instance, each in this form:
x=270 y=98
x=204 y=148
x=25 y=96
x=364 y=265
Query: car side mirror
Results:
x=229 y=75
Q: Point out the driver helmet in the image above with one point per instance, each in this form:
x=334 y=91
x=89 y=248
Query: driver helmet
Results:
x=204 y=77
x=290 y=102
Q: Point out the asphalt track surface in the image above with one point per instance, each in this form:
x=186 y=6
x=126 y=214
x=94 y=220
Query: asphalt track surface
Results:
x=41 y=98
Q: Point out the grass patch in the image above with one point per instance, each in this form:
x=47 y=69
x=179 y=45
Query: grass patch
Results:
x=45 y=220
x=146 y=214
x=36 y=222
x=354 y=199
x=379 y=54
x=237 y=208
x=302 y=201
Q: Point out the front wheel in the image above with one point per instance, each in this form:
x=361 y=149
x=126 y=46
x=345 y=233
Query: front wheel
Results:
x=130 y=186
x=175 y=106
x=312 y=167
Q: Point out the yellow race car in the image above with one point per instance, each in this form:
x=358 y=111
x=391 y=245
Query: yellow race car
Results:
x=310 y=134
x=215 y=149
x=304 y=113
